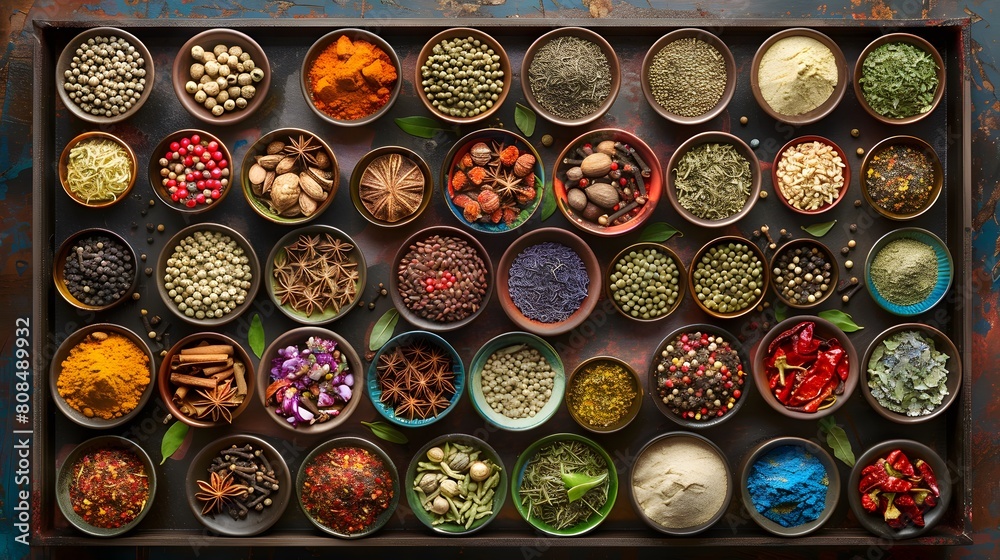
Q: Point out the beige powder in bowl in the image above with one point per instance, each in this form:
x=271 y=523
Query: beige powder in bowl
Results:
x=796 y=75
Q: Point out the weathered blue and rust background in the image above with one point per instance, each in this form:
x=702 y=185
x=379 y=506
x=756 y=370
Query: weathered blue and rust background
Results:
x=17 y=275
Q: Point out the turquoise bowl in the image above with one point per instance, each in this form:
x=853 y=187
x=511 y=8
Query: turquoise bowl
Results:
x=945 y=269
x=580 y=528
x=375 y=390
x=476 y=389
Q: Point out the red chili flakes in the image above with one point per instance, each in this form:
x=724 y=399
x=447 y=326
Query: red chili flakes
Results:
x=346 y=489
x=110 y=488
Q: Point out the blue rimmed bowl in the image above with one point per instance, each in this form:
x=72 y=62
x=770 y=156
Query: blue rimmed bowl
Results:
x=945 y=270
x=475 y=378
x=375 y=389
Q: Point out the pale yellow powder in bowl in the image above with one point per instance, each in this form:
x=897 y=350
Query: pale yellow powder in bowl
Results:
x=796 y=75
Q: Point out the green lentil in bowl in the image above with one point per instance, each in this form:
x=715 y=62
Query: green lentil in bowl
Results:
x=728 y=277
x=646 y=282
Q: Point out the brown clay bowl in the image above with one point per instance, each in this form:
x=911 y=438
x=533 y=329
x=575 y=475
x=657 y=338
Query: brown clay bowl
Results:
x=64 y=168
x=704 y=251
x=781 y=193
x=59 y=268
x=629 y=414
x=911 y=39
x=809 y=244
x=612 y=288
x=918 y=145
x=714 y=137
x=162 y=191
x=366 y=161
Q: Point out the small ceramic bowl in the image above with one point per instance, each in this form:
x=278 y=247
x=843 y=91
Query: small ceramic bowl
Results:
x=649 y=461
x=503 y=181
x=65 y=61
x=614 y=68
x=945 y=271
x=452 y=34
x=328 y=182
x=823 y=252
x=389 y=160
x=583 y=527
x=327 y=314
x=823 y=331
x=936 y=170
x=162 y=191
x=167 y=253
x=96 y=136
x=376 y=390
x=168 y=389
x=721 y=138
x=824 y=108
x=910 y=39
x=66 y=476
x=394 y=281
x=350 y=443
x=221 y=522
x=942 y=344
x=629 y=309
x=451 y=528
x=65 y=251
x=824 y=206
x=874 y=521
x=503 y=343
x=741 y=382
x=651 y=185
x=266 y=384
x=832 y=493
x=549 y=235
x=63 y=352
x=627 y=415
x=330 y=39
x=693 y=271
x=728 y=61
x=208 y=40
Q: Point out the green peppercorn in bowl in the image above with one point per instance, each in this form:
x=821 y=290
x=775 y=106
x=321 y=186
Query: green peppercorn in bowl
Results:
x=456 y=484
x=97 y=169
x=80 y=80
x=506 y=367
x=912 y=373
x=646 y=281
x=908 y=271
x=728 y=277
x=804 y=273
x=604 y=394
x=899 y=78
x=901 y=177
x=713 y=179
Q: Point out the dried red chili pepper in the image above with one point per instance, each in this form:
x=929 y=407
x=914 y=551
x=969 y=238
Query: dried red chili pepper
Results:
x=928 y=474
x=790 y=334
x=870 y=502
x=908 y=507
x=900 y=462
x=901 y=501
x=804 y=372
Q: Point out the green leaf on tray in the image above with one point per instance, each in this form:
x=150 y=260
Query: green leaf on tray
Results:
x=819 y=230
x=255 y=336
x=421 y=127
x=836 y=438
x=780 y=311
x=524 y=118
x=659 y=232
x=386 y=432
x=173 y=439
x=382 y=331
x=549 y=203
x=843 y=321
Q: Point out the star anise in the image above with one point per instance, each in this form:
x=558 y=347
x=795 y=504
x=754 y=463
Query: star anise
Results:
x=435 y=404
x=217 y=401
x=303 y=149
x=393 y=390
x=441 y=379
x=419 y=381
x=219 y=490
x=390 y=363
x=410 y=406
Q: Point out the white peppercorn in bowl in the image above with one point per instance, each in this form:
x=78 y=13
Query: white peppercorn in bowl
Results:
x=251 y=76
x=791 y=279
x=137 y=78
x=240 y=293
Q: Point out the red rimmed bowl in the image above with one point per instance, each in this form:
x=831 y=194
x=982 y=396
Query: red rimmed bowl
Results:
x=786 y=192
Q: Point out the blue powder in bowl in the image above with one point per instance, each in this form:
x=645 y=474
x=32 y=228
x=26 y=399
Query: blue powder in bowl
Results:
x=788 y=485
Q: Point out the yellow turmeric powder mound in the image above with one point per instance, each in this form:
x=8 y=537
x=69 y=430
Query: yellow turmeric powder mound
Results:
x=104 y=376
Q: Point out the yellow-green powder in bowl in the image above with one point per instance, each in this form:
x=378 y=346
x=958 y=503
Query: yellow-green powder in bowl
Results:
x=905 y=271
x=680 y=482
x=797 y=75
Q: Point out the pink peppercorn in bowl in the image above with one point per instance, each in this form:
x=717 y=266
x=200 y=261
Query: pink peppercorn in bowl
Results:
x=191 y=171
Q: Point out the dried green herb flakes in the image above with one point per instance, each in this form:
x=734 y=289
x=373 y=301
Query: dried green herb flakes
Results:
x=899 y=80
x=907 y=375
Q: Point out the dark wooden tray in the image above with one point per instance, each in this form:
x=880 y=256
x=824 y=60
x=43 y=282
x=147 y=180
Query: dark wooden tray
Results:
x=286 y=41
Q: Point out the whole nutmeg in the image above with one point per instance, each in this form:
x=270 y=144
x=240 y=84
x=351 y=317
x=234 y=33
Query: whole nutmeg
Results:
x=480 y=153
x=603 y=195
x=606 y=147
x=596 y=165
x=577 y=199
x=439 y=505
x=435 y=454
x=524 y=164
x=479 y=471
x=574 y=174
x=448 y=488
x=428 y=483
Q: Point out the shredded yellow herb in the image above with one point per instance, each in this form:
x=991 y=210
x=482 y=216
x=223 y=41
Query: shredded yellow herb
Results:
x=98 y=170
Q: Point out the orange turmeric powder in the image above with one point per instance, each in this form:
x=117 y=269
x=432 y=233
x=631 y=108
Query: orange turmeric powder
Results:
x=351 y=80
x=104 y=376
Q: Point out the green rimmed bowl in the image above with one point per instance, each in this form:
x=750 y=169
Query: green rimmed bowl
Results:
x=945 y=271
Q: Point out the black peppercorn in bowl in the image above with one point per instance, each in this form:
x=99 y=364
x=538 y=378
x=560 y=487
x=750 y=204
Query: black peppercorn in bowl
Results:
x=79 y=75
x=810 y=175
x=221 y=76
x=728 y=277
x=901 y=177
x=95 y=269
x=891 y=52
x=574 y=108
x=391 y=186
x=97 y=169
x=685 y=97
x=908 y=271
x=199 y=256
x=603 y=394
x=191 y=171
x=250 y=474
x=442 y=279
x=804 y=273
x=646 y=281
x=699 y=376
x=439 y=80
x=704 y=195
x=79 y=491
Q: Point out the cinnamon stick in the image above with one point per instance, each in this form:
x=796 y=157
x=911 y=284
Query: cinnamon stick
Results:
x=201 y=358
x=208 y=349
x=192 y=381
x=240 y=371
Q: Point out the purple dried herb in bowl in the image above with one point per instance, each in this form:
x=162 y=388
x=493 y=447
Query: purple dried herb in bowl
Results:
x=310 y=384
x=548 y=282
